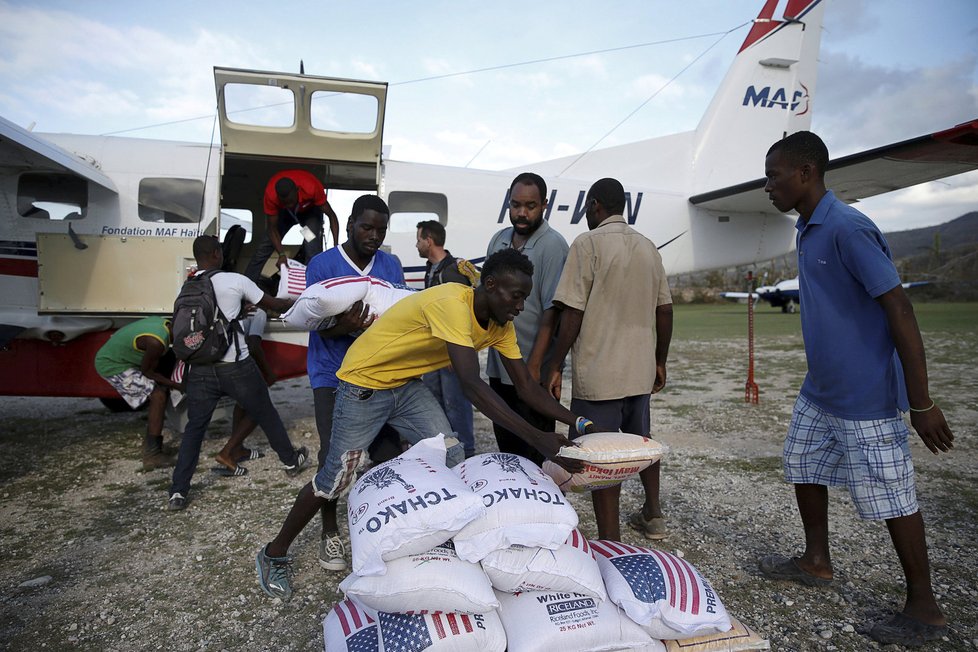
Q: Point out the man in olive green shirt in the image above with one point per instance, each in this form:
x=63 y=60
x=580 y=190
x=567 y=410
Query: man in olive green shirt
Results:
x=135 y=363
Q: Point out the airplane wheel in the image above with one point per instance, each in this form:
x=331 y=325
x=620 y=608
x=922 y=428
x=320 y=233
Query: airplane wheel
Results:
x=792 y=308
x=116 y=405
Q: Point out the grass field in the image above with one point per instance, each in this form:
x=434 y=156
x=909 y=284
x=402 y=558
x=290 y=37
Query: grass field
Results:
x=729 y=321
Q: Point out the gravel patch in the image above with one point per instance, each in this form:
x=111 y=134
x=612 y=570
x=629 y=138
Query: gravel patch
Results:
x=92 y=561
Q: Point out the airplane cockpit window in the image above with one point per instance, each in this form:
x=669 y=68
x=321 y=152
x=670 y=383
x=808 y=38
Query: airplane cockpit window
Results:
x=409 y=208
x=169 y=200
x=259 y=106
x=352 y=113
x=49 y=196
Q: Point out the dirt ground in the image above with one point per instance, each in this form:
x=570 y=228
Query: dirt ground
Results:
x=92 y=561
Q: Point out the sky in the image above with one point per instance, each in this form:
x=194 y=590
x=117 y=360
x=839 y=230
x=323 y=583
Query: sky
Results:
x=888 y=71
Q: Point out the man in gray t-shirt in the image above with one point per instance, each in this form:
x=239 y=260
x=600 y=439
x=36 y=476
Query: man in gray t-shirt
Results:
x=547 y=250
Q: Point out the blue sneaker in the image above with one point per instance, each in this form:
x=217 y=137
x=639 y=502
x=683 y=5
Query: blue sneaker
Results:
x=274 y=575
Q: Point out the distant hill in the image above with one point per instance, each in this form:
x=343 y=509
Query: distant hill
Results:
x=951 y=266
x=956 y=233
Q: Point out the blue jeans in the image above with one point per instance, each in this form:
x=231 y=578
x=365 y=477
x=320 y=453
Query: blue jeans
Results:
x=358 y=416
x=444 y=384
x=206 y=384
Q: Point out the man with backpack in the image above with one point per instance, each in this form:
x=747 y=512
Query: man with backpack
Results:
x=206 y=335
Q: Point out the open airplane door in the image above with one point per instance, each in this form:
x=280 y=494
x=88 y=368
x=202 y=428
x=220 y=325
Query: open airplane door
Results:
x=332 y=128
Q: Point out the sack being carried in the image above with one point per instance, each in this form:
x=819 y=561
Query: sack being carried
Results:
x=609 y=459
x=318 y=305
x=201 y=332
x=292 y=279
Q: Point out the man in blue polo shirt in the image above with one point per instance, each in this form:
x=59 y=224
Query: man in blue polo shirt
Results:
x=865 y=359
x=360 y=255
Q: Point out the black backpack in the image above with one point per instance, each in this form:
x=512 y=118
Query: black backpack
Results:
x=201 y=332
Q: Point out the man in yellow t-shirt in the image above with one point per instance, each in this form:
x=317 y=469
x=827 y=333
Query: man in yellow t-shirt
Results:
x=380 y=382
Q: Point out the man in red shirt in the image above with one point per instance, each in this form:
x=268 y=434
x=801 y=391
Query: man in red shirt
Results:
x=293 y=197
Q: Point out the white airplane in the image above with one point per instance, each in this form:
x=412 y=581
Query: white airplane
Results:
x=96 y=231
x=783 y=294
x=786 y=294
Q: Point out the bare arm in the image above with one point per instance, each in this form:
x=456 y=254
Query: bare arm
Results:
x=663 y=337
x=153 y=350
x=465 y=363
x=570 y=327
x=534 y=395
x=356 y=318
x=268 y=302
x=334 y=223
x=542 y=342
x=929 y=423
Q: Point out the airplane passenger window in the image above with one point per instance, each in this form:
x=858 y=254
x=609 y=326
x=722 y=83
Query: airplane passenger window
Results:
x=409 y=208
x=351 y=113
x=170 y=200
x=47 y=196
x=259 y=106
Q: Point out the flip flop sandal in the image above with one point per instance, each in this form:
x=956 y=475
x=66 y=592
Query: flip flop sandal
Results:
x=779 y=567
x=250 y=454
x=230 y=473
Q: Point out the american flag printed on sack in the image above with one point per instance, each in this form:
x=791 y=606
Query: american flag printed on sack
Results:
x=655 y=576
x=414 y=633
x=179 y=370
x=295 y=278
x=359 y=629
x=577 y=540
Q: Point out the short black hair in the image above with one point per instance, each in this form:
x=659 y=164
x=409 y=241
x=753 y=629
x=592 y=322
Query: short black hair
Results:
x=205 y=245
x=506 y=261
x=803 y=147
x=369 y=203
x=433 y=229
x=610 y=194
x=284 y=187
x=530 y=179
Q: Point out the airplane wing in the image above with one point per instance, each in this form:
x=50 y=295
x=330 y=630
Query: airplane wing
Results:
x=738 y=295
x=24 y=150
x=869 y=173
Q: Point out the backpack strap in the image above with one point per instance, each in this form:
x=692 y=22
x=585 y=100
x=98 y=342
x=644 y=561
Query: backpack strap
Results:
x=233 y=324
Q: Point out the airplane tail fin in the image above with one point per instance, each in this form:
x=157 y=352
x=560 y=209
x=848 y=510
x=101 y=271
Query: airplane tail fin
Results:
x=766 y=93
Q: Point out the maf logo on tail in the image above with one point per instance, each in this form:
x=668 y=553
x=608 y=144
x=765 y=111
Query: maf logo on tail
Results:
x=779 y=98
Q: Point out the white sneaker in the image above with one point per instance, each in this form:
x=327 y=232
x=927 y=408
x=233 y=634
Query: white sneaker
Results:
x=332 y=552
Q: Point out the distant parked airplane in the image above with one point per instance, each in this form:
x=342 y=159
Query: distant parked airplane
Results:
x=785 y=294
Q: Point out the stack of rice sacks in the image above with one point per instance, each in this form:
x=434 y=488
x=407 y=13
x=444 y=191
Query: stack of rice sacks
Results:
x=487 y=556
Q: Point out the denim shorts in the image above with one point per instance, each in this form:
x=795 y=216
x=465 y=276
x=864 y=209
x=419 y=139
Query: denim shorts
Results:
x=358 y=415
x=871 y=457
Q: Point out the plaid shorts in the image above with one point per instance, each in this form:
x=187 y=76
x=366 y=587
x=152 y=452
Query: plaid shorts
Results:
x=871 y=457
